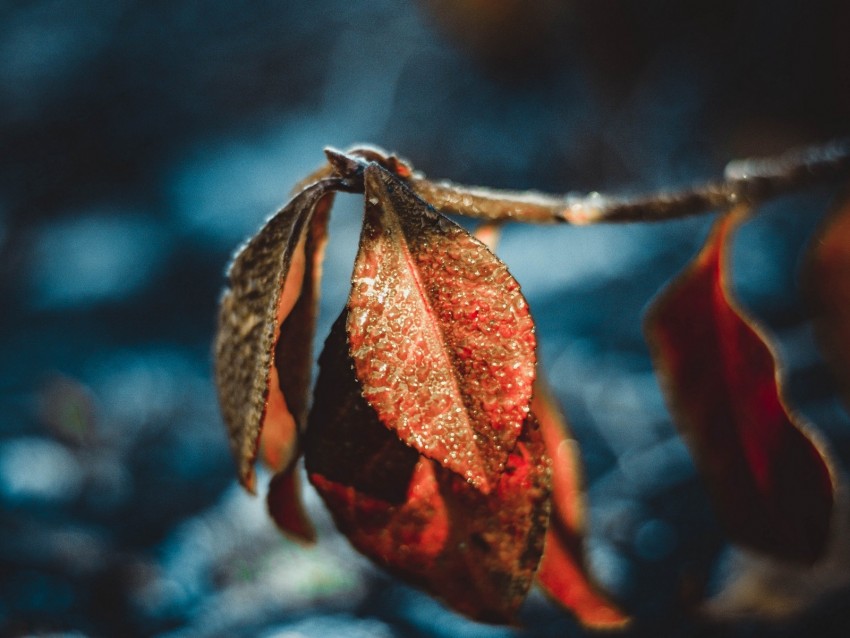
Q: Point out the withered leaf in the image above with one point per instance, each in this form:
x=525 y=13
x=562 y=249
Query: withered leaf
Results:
x=272 y=281
x=292 y=360
x=290 y=377
x=767 y=474
x=563 y=571
x=478 y=552
x=440 y=334
x=828 y=286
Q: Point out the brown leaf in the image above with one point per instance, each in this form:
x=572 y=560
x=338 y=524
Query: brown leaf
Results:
x=767 y=474
x=292 y=361
x=440 y=334
x=272 y=281
x=563 y=571
x=421 y=521
x=828 y=287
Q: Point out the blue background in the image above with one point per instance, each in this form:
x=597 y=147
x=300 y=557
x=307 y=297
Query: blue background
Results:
x=142 y=142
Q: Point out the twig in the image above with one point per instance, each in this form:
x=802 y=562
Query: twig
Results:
x=750 y=182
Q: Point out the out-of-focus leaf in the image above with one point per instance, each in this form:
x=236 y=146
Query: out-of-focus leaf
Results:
x=440 y=334
x=563 y=571
x=285 y=506
x=272 y=281
x=767 y=473
x=828 y=285
x=476 y=551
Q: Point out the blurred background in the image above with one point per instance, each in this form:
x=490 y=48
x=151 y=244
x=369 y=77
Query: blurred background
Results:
x=142 y=142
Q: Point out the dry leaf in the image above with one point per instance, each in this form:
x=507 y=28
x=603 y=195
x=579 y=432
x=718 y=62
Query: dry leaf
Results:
x=271 y=282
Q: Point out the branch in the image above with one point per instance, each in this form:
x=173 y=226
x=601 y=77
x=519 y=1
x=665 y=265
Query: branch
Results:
x=750 y=181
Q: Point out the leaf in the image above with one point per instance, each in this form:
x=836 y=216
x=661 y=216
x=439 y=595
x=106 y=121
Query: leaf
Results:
x=828 y=287
x=272 y=283
x=563 y=571
x=294 y=347
x=440 y=334
x=476 y=551
x=767 y=474
x=285 y=506
x=489 y=234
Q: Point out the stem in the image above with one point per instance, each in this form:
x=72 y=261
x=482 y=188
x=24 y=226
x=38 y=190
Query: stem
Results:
x=748 y=182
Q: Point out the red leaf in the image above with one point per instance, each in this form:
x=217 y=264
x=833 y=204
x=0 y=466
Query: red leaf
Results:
x=828 y=284
x=427 y=524
x=563 y=571
x=769 y=479
x=285 y=507
x=271 y=282
x=440 y=334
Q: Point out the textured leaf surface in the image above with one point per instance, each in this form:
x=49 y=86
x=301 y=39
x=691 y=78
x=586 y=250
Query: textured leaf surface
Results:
x=828 y=283
x=476 y=551
x=440 y=334
x=266 y=282
x=289 y=381
x=563 y=569
x=769 y=479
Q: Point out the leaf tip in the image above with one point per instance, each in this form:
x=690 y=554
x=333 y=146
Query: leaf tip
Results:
x=345 y=165
x=248 y=479
x=286 y=508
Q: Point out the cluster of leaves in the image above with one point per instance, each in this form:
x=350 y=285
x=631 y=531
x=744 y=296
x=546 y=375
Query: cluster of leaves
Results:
x=432 y=437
